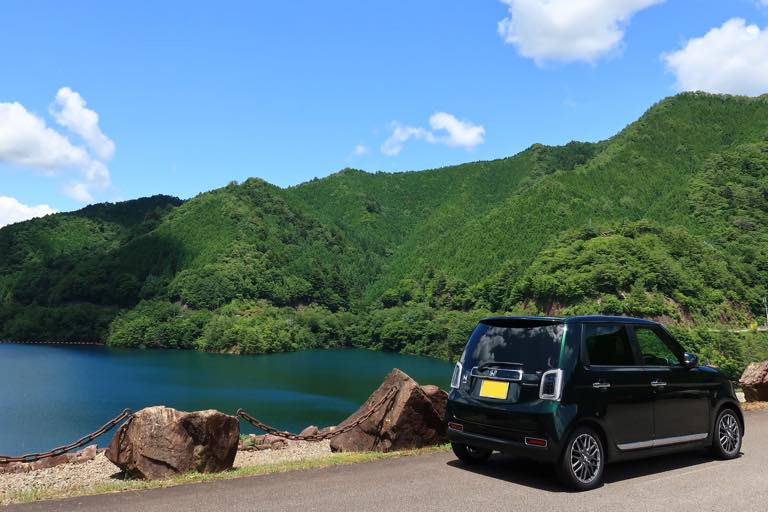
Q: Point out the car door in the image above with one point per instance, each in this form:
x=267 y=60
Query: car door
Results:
x=681 y=394
x=615 y=385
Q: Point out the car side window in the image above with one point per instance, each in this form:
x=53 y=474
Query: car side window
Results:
x=608 y=345
x=654 y=350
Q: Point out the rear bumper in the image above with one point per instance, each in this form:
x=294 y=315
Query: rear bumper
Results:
x=544 y=454
x=509 y=428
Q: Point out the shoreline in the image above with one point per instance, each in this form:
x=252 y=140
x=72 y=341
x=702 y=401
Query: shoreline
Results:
x=92 y=343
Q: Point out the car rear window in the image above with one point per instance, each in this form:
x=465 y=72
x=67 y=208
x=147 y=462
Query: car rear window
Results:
x=532 y=347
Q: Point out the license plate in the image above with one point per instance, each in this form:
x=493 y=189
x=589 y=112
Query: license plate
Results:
x=494 y=389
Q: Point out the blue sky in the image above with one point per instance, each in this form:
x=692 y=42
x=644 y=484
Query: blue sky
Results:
x=191 y=95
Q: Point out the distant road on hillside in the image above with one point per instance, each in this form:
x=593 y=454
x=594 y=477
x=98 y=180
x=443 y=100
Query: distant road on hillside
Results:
x=676 y=483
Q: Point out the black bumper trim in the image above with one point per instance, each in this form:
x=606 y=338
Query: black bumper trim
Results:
x=541 y=453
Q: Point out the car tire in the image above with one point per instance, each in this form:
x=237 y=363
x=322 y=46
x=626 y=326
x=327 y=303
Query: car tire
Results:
x=470 y=455
x=582 y=462
x=727 y=435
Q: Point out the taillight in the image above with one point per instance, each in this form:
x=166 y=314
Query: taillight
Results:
x=456 y=378
x=551 y=385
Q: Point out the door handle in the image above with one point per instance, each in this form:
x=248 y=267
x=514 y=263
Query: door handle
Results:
x=658 y=383
x=601 y=385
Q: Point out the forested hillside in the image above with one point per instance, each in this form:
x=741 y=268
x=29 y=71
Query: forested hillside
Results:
x=667 y=220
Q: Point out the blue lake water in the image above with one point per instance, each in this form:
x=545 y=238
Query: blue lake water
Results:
x=52 y=394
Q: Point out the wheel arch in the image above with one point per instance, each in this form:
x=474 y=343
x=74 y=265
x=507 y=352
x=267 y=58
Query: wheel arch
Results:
x=734 y=406
x=598 y=427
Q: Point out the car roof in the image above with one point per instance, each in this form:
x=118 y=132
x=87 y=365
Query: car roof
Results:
x=584 y=319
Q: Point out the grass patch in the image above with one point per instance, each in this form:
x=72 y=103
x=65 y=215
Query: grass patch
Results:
x=334 y=459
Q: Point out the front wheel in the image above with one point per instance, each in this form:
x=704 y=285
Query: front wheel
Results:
x=583 y=460
x=726 y=441
x=469 y=454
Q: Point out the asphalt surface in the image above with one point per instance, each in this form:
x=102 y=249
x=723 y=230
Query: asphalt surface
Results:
x=438 y=482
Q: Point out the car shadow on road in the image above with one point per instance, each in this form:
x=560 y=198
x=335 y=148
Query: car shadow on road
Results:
x=515 y=470
x=542 y=476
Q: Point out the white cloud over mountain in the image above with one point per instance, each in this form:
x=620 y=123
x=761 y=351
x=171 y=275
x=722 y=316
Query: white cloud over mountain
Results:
x=460 y=133
x=568 y=30
x=729 y=59
x=69 y=111
x=445 y=129
x=11 y=210
x=27 y=141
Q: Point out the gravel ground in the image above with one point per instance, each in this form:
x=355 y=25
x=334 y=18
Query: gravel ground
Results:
x=101 y=470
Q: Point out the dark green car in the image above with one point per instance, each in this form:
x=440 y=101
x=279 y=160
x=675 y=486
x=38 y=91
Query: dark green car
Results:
x=586 y=390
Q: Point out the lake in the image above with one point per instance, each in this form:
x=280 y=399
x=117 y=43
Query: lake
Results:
x=53 y=394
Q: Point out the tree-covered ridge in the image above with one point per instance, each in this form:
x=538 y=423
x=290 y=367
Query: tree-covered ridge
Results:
x=667 y=219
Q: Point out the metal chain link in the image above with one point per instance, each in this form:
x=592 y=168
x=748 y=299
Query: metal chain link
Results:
x=32 y=457
x=319 y=436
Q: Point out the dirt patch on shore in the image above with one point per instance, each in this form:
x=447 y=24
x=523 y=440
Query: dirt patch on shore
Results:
x=754 y=406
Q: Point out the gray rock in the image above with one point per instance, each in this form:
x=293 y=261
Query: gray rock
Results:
x=309 y=431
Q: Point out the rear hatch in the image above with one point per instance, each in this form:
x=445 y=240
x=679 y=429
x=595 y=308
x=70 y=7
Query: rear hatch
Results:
x=502 y=366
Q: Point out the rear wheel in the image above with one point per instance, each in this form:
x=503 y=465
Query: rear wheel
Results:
x=726 y=439
x=469 y=454
x=583 y=460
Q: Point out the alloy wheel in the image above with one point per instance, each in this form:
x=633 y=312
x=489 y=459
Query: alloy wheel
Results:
x=728 y=432
x=585 y=458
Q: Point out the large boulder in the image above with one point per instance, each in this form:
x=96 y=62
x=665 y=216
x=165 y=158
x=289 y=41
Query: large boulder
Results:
x=412 y=418
x=754 y=382
x=159 y=442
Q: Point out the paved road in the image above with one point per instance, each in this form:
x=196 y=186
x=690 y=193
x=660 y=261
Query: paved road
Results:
x=437 y=482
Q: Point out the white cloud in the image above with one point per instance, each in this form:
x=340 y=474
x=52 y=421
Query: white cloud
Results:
x=11 y=210
x=568 y=30
x=360 y=150
x=69 y=111
x=458 y=134
x=402 y=134
x=26 y=141
x=78 y=191
x=730 y=59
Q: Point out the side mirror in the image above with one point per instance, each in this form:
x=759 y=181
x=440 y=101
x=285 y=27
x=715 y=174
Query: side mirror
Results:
x=690 y=360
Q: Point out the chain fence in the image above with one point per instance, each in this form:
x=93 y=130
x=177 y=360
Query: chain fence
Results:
x=127 y=414
x=32 y=457
x=320 y=436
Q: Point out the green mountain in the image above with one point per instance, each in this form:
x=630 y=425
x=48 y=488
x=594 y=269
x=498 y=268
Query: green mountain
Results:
x=667 y=219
